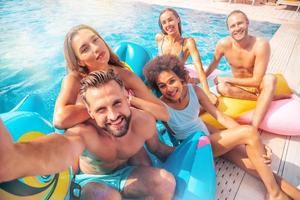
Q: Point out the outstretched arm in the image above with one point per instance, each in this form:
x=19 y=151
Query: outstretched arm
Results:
x=45 y=155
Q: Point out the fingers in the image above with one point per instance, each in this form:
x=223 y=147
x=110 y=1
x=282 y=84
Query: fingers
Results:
x=216 y=80
x=267 y=160
x=213 y=98
x=268 y=151
x=268 y=156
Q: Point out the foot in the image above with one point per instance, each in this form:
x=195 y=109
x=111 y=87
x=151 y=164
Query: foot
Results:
x=280 y=196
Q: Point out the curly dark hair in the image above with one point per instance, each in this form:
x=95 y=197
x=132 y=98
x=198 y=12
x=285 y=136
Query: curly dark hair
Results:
x=164 y=63
x=96 y=79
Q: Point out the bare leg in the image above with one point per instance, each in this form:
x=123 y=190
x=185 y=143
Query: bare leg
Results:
x=239 y=157
x=97 y=191
x=224 y=141
x=229 y=90
x=267 y=88
x=151 y=183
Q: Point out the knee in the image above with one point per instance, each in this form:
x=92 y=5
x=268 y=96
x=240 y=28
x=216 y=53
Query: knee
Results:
x=223 y=89
x=164 y=182
x=269 y=82
x=94 y=191
x=252 y=135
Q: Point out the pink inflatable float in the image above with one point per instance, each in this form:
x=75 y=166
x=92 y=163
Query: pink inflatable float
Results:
x=283 y=116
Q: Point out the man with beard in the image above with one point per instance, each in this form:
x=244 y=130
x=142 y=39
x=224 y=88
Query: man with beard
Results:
x=248 y=57
x=104 y=164
x=122 y=133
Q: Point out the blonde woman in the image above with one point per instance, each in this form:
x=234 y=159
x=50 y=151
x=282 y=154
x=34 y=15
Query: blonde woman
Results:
x=86 y=51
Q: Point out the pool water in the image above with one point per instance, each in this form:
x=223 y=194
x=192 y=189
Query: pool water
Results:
x=32 y=35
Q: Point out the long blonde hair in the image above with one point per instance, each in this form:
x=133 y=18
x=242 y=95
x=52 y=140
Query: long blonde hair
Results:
x=71 y=58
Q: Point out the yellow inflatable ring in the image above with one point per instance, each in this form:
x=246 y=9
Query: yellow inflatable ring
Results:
x=237 y=107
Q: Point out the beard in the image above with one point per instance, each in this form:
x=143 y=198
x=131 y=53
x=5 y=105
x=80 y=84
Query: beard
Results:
x=119 y=132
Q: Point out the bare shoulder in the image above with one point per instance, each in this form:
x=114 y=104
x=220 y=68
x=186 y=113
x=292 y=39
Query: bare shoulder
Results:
x=189 y=41
x=198 y=90
x=223 y=45
x=142 y=116
x=144 y=123
x=122 y=72
x=128 y=77
x=159 y=37
x=261 y=43
x=72 y=78
x=224 y=42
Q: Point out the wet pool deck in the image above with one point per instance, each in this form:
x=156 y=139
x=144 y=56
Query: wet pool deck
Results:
x=234 y=183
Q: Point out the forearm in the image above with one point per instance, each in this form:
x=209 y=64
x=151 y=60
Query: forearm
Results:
x=250 y=82
x=47 y=155
x=211 y=68
x=226 y=121
x=203 y=79
x=159 y=111
x=163 y=151
x=70 y=115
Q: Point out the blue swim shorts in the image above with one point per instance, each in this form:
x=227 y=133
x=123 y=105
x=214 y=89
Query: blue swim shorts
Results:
x=115 y=180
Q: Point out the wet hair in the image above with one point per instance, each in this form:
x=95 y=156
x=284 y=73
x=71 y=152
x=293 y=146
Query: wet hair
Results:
x=71 y=58
x=96 y=79
x=176 y=15
x=164 y=63
x=236 y=12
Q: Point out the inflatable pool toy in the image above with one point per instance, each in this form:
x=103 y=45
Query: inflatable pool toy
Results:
x=275 y=120
x=134 y=55
x=192 y=165
x=282 y=117
x=24 y=126
x=231 y=107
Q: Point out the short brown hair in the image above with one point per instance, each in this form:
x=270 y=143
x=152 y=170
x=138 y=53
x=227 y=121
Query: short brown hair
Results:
x=236 y=12
x=96 y=79
x=164 y=63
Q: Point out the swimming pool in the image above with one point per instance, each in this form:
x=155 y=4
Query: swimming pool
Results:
x=32 y=34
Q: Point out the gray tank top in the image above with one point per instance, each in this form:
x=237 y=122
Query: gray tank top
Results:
x=186 y=122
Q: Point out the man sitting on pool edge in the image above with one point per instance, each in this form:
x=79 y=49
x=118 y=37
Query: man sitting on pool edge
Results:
x=248 y=57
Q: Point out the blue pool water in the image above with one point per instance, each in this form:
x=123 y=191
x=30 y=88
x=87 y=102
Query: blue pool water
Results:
x=32 y=34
